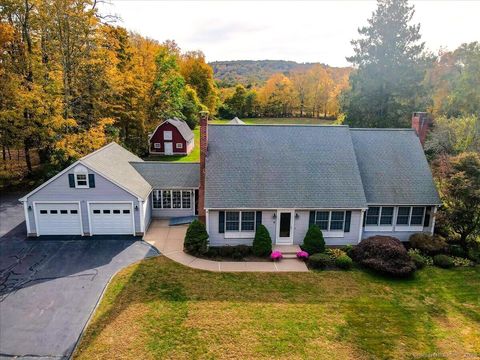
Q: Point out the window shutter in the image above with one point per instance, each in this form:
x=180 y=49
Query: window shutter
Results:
x=91 y=180
x=311 y=219
x=348 y=218
x=221 y=222
x=258 y=219
x=71 y=180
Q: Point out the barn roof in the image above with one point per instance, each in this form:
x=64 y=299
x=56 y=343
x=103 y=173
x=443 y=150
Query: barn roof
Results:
x=182 y=127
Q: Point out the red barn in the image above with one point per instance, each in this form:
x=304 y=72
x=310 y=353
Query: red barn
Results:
x=171 y=137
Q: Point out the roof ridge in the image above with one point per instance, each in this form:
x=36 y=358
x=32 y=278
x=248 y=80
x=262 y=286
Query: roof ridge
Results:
x=283 y=125
x=382 y=129
x=164 y=162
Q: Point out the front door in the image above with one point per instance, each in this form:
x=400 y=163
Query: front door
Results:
x=285 y=227
x=168 y=148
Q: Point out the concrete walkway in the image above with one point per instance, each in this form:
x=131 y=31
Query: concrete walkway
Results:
x=169 y=241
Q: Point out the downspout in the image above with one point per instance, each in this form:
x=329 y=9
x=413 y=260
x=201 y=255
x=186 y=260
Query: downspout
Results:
x=360 y=228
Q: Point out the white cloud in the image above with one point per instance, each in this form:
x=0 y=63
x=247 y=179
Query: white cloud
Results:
x=304 y=31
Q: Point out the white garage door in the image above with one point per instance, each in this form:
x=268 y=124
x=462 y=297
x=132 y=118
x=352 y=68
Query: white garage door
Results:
x=58 y=219
x=111 y=218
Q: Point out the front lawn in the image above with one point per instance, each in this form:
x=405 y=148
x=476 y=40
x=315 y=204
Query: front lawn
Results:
x=158 y=309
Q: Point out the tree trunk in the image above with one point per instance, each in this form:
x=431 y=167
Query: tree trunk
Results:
x=9 y=154
x=28 y=161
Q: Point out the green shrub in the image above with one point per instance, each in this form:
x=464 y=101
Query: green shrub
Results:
x=344 y=262
x=417 y=258
x=237 y=252
x=313 y=243
x=456 y=250
x=428 y=244
x=460 y=261
x=319 y=261
x=348 y=249
x=473 y=251
x=262 y=243
x=335 y=253
x=196 y=239
x=443 y=261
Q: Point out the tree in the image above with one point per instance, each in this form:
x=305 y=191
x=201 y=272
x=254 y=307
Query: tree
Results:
x=196 y=239
x=262 y=243
x=387 y=85
x=458 y=180
x=313 y=242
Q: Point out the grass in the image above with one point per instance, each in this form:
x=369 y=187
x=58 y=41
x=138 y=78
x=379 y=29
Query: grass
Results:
x=194 y=156
x=158 y=309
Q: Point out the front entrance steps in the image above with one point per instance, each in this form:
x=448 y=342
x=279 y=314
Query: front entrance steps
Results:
x=288 y=251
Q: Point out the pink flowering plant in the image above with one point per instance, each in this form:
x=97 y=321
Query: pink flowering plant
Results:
x=302 y=255
x=276 y=255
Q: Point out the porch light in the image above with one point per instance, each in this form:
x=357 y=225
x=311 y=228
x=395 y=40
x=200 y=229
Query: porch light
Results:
x=274 y=215
x=29 y=207
x=136 y=207
x=296 y=215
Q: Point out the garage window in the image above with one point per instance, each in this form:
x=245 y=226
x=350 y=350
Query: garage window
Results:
x=63 y=211
x=116 y=211
x=106 y=211
x=126 y=211
x=43 y=212
x=96 y=211
x=53 y=211
x=73 y=212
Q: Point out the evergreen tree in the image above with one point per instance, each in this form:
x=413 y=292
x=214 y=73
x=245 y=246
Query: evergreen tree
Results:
x=387 y=86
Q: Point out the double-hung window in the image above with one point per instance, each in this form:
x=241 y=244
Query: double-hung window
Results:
x=242 y=221
x=171 y=199
x=330 y=220
x=411 y=215
x=81 y=180
x=379 y=216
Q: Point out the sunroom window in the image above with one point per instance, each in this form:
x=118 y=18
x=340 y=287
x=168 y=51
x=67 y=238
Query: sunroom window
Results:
x=171 y=199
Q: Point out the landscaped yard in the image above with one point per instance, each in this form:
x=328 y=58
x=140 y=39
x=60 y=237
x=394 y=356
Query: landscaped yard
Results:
x=160 y=309
x=194 y=156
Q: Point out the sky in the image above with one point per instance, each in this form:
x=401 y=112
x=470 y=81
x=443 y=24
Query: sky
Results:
x=302 y=31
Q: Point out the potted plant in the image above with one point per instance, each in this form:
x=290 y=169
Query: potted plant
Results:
x=276 y=255
x=302 y=255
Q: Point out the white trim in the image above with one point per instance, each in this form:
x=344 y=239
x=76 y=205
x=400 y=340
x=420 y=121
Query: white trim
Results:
x=207 y=220
x=27 y=217
x=142 y=220
x=433 y=215
x=88 y=167
x=360 y=228
x=34 y=203
x=239 y=234
x=277 y=226
x=112 y=202
x=41 y=186
x=296 y=209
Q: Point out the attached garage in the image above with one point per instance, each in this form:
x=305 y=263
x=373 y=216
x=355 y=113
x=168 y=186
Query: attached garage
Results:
x=112 y=218
x=58 y=218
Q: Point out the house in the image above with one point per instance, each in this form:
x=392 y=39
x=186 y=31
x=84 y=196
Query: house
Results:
x=236 y=121
x=352 y=183
x=171 y=137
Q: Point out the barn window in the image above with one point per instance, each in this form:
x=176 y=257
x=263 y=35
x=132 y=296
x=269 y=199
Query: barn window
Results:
x=179 y=145
x=157 y=145
x=167 y=135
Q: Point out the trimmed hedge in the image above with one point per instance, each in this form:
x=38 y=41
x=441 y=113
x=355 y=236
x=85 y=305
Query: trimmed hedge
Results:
x=319 y=261
x=313 y=243
x=419 y=260
x=428 y=244
x=384 y=254
x=196 y=239
x=262 y=243
x=344 y=262
x=443 y=261
x=237 y=252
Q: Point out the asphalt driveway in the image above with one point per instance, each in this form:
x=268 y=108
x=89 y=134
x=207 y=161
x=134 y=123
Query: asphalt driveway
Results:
x=49 y=287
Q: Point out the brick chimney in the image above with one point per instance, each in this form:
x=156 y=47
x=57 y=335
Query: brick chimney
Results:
x=203 y=158
x=421 y=123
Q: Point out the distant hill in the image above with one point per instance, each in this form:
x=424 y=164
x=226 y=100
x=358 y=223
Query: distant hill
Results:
x=252 y=72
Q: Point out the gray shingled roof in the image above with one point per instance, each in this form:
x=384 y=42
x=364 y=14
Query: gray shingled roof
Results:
x=272 y=166
x=236 y=121
x=393 y=167
x=168 y=175
x=112 y=161
x=182 y=126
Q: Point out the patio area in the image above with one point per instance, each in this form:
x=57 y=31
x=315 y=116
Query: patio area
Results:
x=169 y=241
